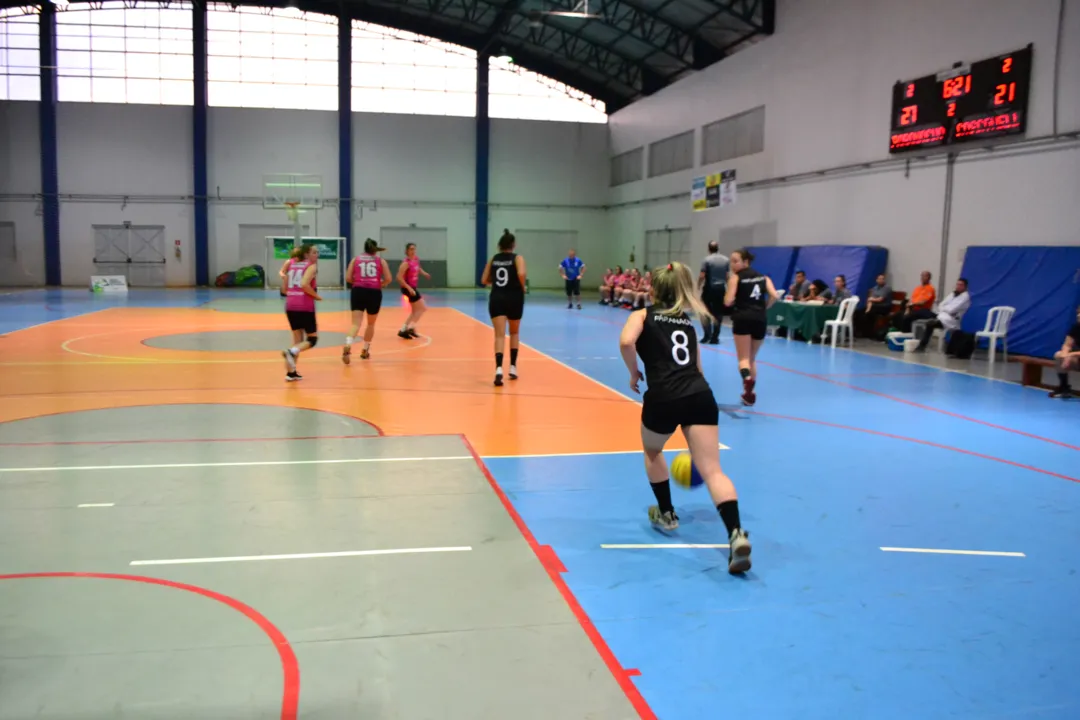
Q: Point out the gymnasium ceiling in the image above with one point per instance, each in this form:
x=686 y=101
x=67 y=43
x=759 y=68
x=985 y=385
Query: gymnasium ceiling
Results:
x=632 y=49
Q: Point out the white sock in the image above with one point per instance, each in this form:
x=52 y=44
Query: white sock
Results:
x=348 y=341
x=404 y=327
x=498 y=370
x=294 y=350
x=367 y=345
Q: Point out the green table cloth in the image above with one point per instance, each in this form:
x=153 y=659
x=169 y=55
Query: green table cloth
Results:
x=807 y=319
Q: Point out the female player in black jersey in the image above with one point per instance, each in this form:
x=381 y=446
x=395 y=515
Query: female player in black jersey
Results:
x=679 y=397
x=505 y=273
x=749 y=294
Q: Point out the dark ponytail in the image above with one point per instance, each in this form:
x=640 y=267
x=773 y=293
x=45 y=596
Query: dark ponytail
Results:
x=746 y=255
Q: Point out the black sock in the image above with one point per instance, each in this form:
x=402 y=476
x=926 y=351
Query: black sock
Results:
x=513 y=356
x=662 y=491
x=729 y=513
x=498 y=360
x=745 y=372
x=1063 y=380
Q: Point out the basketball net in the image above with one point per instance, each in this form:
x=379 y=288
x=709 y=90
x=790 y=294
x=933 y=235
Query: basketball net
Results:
x=294 y=217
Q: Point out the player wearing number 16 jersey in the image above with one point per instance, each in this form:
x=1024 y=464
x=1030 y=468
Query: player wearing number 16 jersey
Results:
x=678 y=396
x=749 y=294
x=505 y=273
x=368 y=274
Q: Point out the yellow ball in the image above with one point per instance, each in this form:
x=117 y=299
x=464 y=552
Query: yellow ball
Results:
x=683 y=472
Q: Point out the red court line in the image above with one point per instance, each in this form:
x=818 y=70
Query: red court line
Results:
x=554 y=567
x=928 y=443
x=290 y=697
x=886 y=396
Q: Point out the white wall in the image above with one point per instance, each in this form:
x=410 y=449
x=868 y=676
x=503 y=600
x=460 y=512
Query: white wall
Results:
x=20 y=174
x=825 y=78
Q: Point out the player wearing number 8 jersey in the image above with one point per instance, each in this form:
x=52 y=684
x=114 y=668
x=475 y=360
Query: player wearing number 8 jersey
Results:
x=678 y=396
x=750 y=294
x=505 y=273
x=368 y=274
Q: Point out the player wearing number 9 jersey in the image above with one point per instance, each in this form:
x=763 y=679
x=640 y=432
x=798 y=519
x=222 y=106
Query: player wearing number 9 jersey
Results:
x=368 y=274
x=678 y=396
x=505 y=273
x=750 y=294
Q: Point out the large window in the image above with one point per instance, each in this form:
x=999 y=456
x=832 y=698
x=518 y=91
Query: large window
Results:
x=525 y=95
x=120 y=54
x=271 y=58
x=19 y=75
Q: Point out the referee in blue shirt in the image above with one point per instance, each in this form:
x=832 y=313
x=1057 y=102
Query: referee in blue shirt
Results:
x=571 y=269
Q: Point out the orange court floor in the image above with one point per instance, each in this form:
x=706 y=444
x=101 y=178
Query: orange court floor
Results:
x=440 y=383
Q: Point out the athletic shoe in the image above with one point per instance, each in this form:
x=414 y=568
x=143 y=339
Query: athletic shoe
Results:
x=749 y=397
x=579 y=306
x=569 y=306
x=364 y=354
x=412 y=333
x=1062 y=392
x=292 y=377
x=739 y=558
x=290 y=360
x=513 y=372
x=665 y=521
x=345 y=353
x=498 y=379
x=404 y=334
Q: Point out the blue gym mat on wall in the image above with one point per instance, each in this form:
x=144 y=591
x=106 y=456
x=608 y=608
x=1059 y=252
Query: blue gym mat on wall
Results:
x=776 y=262
x=859 y=264
x=1042 y=283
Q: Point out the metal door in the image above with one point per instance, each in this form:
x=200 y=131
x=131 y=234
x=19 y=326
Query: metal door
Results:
x=668 y=245
x=135 y=251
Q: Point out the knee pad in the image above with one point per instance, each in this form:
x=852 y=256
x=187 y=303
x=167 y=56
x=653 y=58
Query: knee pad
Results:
x=313 y=340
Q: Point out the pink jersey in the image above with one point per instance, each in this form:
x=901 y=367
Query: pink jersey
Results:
x=296 y=299
x=367 y=272
x=412 y=270
x=609 y=278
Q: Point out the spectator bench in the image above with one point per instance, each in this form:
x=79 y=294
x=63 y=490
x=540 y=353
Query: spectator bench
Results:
x=1032 y=371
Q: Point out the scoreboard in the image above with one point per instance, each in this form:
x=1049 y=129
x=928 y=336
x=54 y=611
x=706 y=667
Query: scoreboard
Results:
x=985 y=99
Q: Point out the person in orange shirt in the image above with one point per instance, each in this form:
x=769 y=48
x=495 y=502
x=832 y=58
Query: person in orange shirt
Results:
x=920 y=305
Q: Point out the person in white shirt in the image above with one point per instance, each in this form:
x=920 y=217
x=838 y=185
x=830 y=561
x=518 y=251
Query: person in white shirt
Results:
x=949 y=312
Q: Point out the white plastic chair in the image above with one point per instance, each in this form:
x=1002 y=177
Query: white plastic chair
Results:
x=844 y=319
x=997 y=328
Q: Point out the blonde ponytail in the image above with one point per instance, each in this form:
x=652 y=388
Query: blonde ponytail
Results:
x=673 y=291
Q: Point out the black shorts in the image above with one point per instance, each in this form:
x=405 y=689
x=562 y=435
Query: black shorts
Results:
x=367 y=300
x=752 y=326
x=508 y=306
x=412 y=298
x=301 y=320
x=573 y=287
x=665 y=416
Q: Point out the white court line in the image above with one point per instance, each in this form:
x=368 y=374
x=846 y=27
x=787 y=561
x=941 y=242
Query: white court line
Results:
x=254 y=463
x=953 y=552
x=300 y=556
x=92 y=505
x=664 y=546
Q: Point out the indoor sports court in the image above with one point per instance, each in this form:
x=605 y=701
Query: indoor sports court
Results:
x=205 y=514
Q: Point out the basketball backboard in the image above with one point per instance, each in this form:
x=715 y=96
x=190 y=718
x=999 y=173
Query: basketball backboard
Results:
x=302 y=188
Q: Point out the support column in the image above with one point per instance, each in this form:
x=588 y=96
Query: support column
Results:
x=345 y=151
x=50 y=173
x=199 y=150
x=483 y=157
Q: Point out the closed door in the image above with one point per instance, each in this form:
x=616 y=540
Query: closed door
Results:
x=665 y=246
x=136 y=252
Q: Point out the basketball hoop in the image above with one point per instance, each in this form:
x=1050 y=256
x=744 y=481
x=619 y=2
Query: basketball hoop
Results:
x=293 y=213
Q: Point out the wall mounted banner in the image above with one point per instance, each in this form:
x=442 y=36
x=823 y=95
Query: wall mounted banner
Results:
x=328 y=249
x=717 y=190
x=108 y=284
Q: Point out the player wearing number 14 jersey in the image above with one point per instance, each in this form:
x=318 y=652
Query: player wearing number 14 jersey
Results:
x=678 y=396
x=368 y=274
x=505 y=273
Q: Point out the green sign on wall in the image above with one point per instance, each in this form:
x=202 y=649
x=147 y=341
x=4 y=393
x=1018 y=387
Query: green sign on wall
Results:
x=328 y=249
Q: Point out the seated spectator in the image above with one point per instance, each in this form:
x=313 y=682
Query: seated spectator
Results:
x=878 y=304
x=1068 y=358
x=841 y=293
x=800 y=288
x=919 y=307
x=819 y=291
x=949 y=313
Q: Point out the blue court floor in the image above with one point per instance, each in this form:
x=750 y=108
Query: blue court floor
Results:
x=845 y=454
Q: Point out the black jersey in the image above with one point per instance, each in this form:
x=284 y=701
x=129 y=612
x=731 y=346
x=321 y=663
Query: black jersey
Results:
x=668 y=347
x=504 y=276
x=752 y=294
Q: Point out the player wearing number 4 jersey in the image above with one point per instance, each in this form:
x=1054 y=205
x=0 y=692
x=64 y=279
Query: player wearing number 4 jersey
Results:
x=750 y=294
x=368 y=274
x=679 y=397
x=505 y=273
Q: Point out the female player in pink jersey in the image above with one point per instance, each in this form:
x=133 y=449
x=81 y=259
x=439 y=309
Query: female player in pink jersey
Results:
x=301 y=295
x=408 y=275
x=368 y=274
